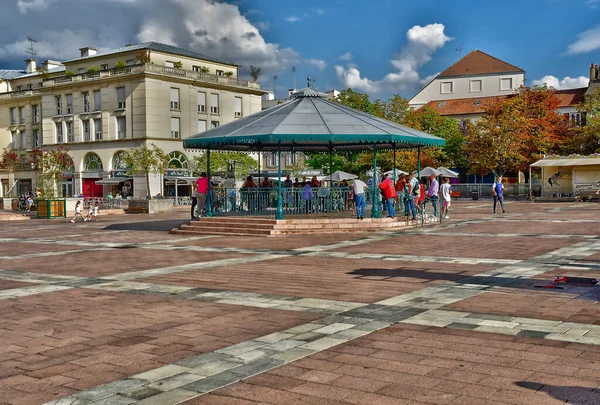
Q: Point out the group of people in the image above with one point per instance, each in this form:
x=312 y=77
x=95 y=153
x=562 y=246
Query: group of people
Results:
x=92 y=211
x=408 y=195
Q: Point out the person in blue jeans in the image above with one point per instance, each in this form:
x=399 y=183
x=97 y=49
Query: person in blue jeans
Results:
x=359 y=187
x=497 y=189
x=432 y=193
x=412 y=193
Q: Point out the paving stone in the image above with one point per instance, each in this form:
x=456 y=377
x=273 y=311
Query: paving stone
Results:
x=175 y=381
x=140 y=392
x=161 y=372
x=532 y=333
x=111 y=388
x=213 y=382
x=176 y=396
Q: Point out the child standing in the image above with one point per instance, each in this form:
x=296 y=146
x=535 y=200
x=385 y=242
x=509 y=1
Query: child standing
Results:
x=78 y=212
x=445 y=190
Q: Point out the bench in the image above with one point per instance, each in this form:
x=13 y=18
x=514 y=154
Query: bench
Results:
x=455 y=194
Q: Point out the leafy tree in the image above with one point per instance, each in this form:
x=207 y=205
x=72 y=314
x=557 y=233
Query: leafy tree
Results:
x=254 y=73
x=48 y=165
x=143 y=56
x=9 y=161
x=585 y=136
x=516 y=131
x=358 y=101
x=204 y=69
x=219 y=162
x=147 y=159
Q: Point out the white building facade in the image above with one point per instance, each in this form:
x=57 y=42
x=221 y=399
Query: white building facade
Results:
x=474 y=76
x=99 y=105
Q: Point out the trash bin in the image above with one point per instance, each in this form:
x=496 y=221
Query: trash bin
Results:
x=14 y=204
x=475 y=194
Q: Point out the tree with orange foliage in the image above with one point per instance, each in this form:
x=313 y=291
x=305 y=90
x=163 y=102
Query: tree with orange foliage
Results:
x=516 y=131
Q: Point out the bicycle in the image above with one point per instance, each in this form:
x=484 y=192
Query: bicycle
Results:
x=428 y=211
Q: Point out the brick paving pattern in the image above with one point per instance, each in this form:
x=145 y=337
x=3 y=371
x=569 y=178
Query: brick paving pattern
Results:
x=118 y=311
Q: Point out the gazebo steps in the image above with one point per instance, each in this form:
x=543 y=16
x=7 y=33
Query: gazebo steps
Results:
x=244 y=226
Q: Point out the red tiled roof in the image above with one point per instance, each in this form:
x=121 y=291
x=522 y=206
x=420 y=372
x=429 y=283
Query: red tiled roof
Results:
x=466 y=106
x=570 y=97
x=479 y=63
x=463 y=106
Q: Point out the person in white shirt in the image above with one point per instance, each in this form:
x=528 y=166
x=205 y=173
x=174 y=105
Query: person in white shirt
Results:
x=359 y=187
x=78 y=210
x=445 y=190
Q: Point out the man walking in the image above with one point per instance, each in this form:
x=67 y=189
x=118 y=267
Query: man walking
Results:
x=432 y=193
x=359 y=198
x=202 y=192
x=497 y=189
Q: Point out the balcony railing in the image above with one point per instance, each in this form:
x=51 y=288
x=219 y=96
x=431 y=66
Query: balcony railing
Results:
x=20 y=93
x=136 y=69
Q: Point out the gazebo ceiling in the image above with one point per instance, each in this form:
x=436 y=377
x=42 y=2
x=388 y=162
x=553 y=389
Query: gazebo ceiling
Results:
x=310 y=122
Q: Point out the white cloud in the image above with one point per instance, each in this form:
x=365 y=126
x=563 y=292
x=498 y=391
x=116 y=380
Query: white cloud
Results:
x=213 y=28
x=320 y=64
x=422 y=42
x=34 y=5
x=292 y=19
x=320 y=11
x=424 y=81
x=587 y=41
x=566 y=83
x=53 y=44
x=347 y=56
x=262 y=25
x=350 y=78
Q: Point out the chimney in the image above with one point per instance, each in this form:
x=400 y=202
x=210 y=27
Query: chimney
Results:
x=30 y=65
x=88 y=51
x=594 y=72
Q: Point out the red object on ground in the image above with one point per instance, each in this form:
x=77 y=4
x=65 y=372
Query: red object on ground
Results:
x=569 y=280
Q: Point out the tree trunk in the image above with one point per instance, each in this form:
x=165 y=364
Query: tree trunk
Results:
x=148 y=186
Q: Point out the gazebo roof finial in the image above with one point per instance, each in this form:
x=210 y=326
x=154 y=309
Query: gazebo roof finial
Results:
x=308 y=81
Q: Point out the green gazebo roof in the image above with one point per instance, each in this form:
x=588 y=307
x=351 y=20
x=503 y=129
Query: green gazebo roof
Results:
x=310 y=122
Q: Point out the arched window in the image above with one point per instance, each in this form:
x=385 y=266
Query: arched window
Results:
x=177 y=160
x=92 y=163
x=118 y=163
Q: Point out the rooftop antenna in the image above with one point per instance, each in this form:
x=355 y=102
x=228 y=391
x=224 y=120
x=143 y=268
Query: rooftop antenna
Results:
x=294 y=72
x=32 y=52
x=275 y=85
x=459 y=50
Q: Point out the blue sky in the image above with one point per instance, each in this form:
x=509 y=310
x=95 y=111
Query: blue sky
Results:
x=380 y=47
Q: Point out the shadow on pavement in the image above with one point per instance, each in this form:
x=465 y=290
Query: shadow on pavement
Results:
x=156 y=226
x=575 y=395
x=579 y=291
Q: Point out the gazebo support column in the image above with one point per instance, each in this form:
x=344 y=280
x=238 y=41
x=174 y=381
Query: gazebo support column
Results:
x=208 y=211
x=330 y=177
x=279 y=214
x=375 y=210
x=394 y=152
x=419 y=174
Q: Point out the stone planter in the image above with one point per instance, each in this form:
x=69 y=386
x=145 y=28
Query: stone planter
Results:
x=150 y=206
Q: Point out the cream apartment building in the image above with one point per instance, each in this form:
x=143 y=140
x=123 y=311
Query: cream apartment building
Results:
x=476 y=75
x=99 y=105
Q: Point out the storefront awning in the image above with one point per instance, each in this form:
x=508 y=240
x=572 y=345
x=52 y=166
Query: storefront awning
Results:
x=113 y=181
x=182 y=180
x=567 y=162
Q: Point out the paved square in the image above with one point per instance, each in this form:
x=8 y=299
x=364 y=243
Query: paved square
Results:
x=119 y=311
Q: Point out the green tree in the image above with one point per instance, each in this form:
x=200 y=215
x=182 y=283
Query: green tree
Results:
x=585 y=135
x=254 y=73
x=48 y=165
x=219 y=162
x=358 y=101
x=146 y=159
x=516 y=131
x=9 y=161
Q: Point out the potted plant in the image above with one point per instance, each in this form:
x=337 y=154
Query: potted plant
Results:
x=143 y=57
x=178 y=65
x=49 y=165
x=204 y=69
x=93 y=71
x=69 y=73
x=229 y=73
x=120 y=67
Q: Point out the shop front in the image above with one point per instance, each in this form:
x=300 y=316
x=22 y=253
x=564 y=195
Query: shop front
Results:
x=573 y=176
x=119 y=183
x=178 y=183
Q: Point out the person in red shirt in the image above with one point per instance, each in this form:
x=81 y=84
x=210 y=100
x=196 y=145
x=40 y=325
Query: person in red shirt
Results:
x=400 y=184
x=201 y=191
x=389 y=194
